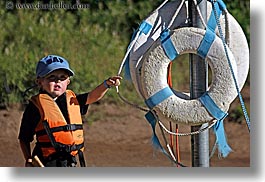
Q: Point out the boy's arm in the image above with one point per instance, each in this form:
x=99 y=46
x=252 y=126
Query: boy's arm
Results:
x=26 y=150
x=96 y=94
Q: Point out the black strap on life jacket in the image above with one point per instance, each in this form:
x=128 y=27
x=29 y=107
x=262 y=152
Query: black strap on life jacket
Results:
x=81 y=158
x=68 y=127
x=59 y=147
x=50 y=135
x=62 y=147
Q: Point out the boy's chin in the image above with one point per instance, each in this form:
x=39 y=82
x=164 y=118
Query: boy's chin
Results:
x=56 y=94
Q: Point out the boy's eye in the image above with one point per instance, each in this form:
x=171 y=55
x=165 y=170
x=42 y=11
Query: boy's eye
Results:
x=63 y=77
x=53 y=78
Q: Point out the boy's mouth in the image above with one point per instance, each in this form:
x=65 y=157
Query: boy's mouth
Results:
x=57 y=87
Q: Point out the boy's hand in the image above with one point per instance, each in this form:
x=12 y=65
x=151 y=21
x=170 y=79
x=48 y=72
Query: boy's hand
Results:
x=114 y=81
x=29 y=163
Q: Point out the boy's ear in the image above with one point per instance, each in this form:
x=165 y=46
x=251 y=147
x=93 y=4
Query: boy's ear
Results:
x=38 y=82
x=68 y=81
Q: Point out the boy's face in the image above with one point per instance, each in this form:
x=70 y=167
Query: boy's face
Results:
x=55 y=83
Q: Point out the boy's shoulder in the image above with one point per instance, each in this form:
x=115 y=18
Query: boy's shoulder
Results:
x=30 y=106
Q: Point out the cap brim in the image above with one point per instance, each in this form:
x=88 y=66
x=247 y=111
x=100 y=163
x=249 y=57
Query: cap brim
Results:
x=71 y=73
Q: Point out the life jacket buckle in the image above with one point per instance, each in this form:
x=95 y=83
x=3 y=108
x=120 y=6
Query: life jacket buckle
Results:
x=68 y=127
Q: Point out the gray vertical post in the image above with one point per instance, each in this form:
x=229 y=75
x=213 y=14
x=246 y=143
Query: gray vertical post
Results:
x=198 y=85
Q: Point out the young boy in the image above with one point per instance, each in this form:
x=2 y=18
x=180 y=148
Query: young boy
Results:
x=54 y=115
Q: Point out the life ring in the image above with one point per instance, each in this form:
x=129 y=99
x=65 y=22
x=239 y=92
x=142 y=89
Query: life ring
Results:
x=154 y=70
x=236 y=41
x=157 y=21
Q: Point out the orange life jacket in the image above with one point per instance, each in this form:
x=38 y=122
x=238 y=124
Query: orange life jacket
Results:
x=63 y=137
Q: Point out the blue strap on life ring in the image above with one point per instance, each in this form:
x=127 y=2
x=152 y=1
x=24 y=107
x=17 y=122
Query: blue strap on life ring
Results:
x=219 y=6
x=168 y=45
x=152 y=119
x=158 y=97
x=145 y=27
x=206 y=43
x=151 y=102
x=210 y=35
x=218 y=128
x=211 y=106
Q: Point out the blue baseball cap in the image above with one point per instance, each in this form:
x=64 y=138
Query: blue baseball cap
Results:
x=51 y=63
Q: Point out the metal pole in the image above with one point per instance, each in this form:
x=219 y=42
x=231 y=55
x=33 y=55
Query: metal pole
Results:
x=198 y=85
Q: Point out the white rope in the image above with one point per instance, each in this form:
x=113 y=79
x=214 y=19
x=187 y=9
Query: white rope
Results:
x=162 y=5
x=171 y=153
x=185 y=134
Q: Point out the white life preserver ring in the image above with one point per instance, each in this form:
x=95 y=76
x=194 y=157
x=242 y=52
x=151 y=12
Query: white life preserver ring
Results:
x=158 y=20
x=154 y=70
x=237 y=41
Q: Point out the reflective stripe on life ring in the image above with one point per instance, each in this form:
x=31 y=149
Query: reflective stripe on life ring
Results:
x=154 y=84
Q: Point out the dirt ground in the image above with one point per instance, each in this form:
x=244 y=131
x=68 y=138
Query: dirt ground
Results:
x=119 y=136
